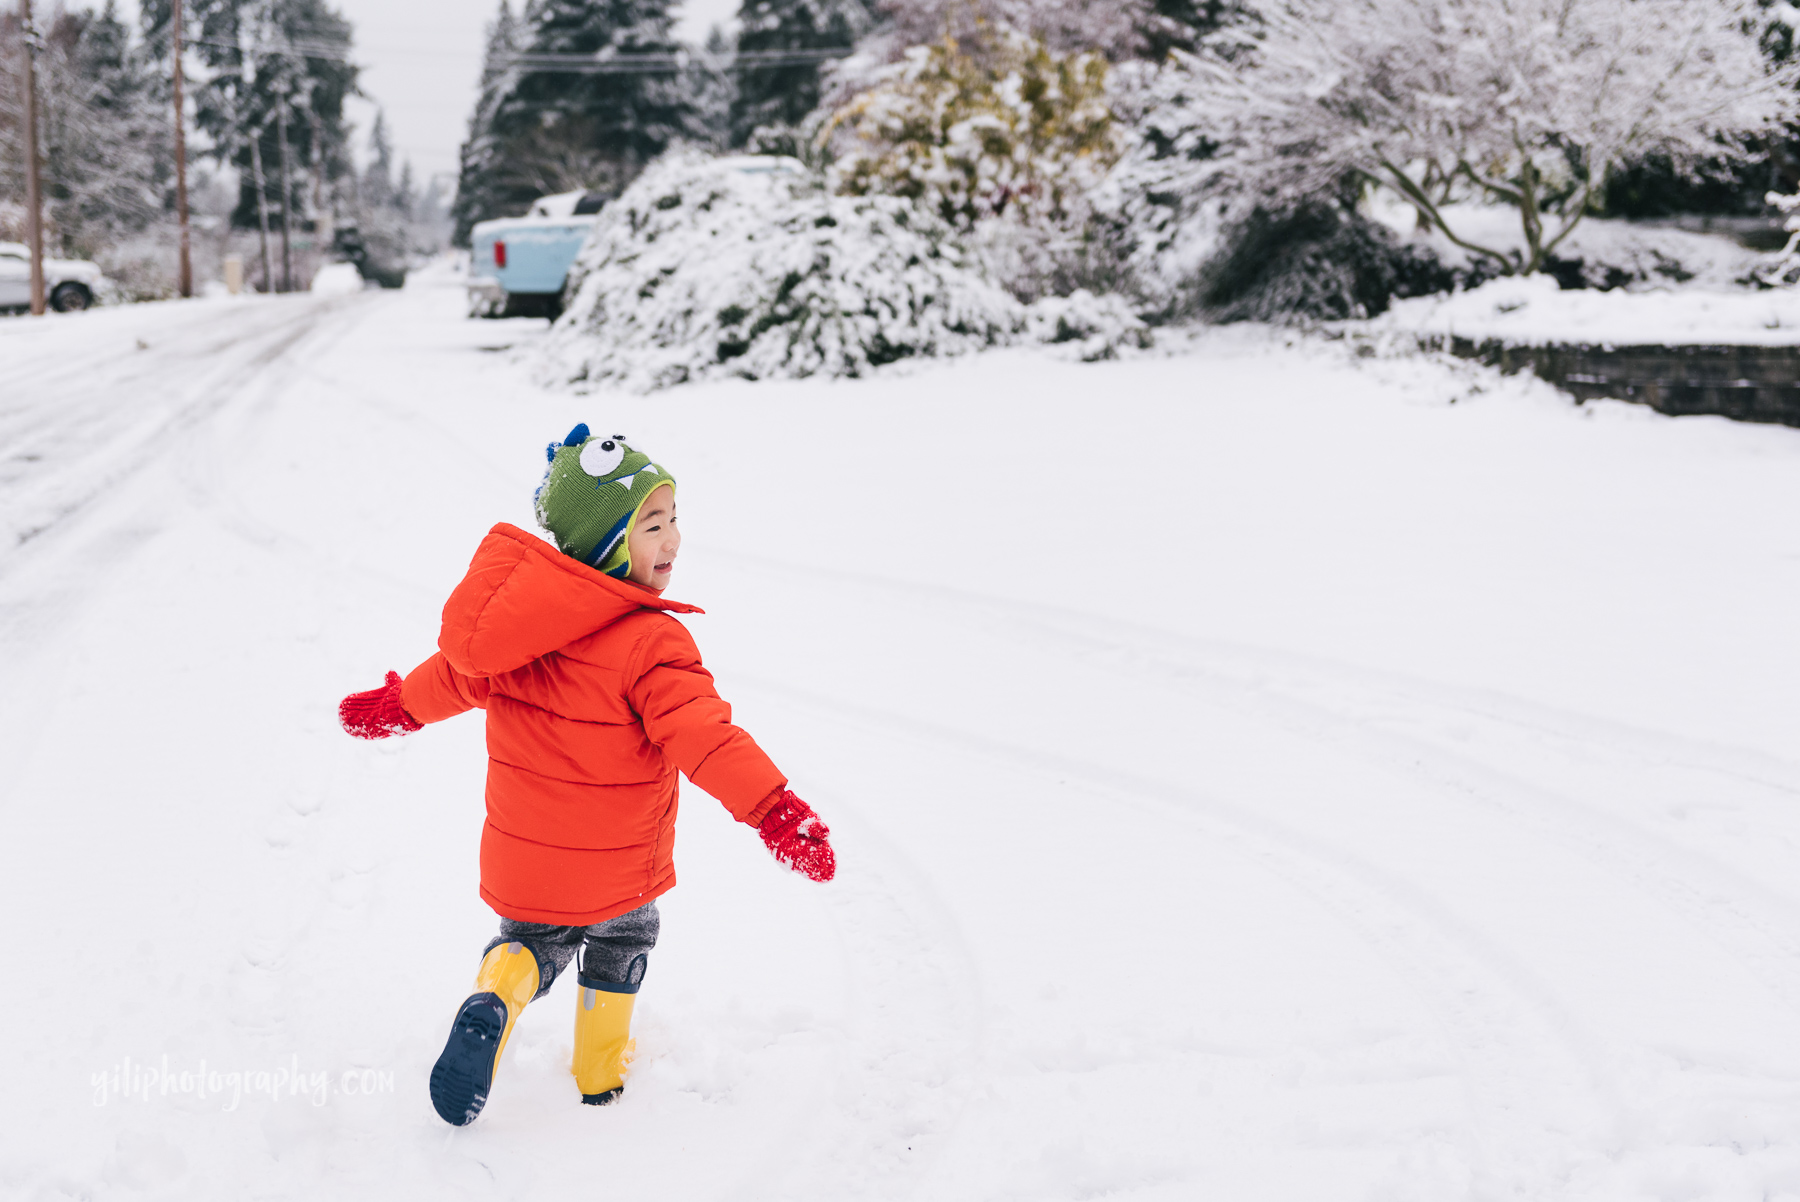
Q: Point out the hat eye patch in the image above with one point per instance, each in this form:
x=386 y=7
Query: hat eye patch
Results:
x=602 y=455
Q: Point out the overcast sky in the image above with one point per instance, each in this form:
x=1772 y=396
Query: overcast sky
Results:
x=421 y=59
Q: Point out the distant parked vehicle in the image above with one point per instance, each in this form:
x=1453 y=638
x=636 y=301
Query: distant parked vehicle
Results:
x=69 y=284
x=518 y=265
x=347 y=241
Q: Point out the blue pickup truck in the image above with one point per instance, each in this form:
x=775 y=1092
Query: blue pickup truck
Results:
x=517 y=265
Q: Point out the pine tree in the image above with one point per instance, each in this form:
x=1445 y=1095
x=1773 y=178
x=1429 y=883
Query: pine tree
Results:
x=382 y=209
x=480 y=191
x=112 y=154
x=782 y=94
x=562 y=130
x=263 y=57
x=377 y=188
x=103 y=129
x=405 y=192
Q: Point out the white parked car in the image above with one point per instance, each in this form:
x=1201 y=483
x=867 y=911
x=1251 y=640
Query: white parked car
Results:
x=69 y=284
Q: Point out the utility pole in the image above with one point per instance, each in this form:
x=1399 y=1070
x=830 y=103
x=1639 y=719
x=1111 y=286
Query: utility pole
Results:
x=34 y=195
x=287 y=194
x=262 y=206
x=186 y=276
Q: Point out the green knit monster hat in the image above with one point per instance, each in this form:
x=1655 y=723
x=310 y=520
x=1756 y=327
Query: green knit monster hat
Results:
x=591 y=496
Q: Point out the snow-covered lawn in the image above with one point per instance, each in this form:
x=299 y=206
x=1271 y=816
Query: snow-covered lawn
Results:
x=1255 y=777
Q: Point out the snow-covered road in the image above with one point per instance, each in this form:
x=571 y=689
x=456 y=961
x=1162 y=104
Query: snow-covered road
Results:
x=1254 y=778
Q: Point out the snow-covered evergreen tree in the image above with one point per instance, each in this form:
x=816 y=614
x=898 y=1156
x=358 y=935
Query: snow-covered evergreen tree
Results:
x=104 y=129
x=270 y=62
x=382 y=212
x=1019 y=132
x=777 y=93
x=1005 y=144
x=482 y=190
x=560 y=130
x=1526 y=103
x=107 y=136
x=376 y=188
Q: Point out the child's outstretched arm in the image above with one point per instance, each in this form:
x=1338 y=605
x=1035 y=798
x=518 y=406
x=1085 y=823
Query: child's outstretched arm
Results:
x=431 y=692
x=684 y=715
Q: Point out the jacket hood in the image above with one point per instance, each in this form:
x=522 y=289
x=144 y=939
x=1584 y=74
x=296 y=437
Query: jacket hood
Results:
x=522 y=599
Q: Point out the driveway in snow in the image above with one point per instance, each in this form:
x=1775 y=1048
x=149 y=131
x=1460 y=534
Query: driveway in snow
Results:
x=1255 y=776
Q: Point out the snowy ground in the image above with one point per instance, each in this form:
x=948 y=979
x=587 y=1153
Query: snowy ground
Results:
x=1255 y=777
x=1534 y=311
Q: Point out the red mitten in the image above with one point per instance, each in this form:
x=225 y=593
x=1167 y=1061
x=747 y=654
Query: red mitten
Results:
x=796 y=838
x=377 y=713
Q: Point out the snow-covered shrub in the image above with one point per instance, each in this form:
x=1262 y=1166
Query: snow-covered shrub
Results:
x=1782 y=267
x=1318 y=260
x=707 y=268
x=1188 y=241
x=1161 y=212
x=1525 y=103
x=1019 y=132
x=1098 y=327
x=1602 y=253
x=1004 y=142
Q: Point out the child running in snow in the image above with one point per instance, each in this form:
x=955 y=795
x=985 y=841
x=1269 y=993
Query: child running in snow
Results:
x=595 y=697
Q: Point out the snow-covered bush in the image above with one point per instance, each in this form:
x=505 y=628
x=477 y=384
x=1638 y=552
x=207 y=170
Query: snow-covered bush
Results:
x=1525 y=103
x=1019 y=132
x=1321 y=261
x=1162 y=211
x=1187 y=241
x=1004 y=142
x=1782 y=267
x=707 y=268
x=1097 y=327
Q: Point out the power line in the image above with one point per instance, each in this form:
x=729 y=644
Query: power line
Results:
x=660 y=63
x=292 y=48
x=665 y=64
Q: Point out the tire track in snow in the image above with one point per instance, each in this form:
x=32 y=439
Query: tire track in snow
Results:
x=1757 y=928
x=1522 y=1050
x=1356 y=710
x=914 y=1025
x=83 y=449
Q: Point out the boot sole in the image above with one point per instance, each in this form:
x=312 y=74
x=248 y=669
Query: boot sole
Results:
x=602 y=1099
x=464 y=1071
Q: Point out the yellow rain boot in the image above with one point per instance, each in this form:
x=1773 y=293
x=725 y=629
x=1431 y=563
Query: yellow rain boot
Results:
x=603 y=1043
x=507 y=979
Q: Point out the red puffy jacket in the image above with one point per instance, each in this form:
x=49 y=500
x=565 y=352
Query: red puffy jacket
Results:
x=595 y=696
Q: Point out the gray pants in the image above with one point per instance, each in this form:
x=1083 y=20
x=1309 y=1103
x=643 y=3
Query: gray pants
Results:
x=616 y=951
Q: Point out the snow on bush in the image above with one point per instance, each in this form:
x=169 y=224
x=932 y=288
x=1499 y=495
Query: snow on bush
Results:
x=748 y=267
x=1600 y=253
x=1097 y=327
x=1783 y=267
x=1526 y=103
x=1003 y=139
x=1162 y=209
x=1022 y=133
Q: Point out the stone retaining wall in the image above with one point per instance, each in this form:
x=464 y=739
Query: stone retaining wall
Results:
x=1745 y=383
